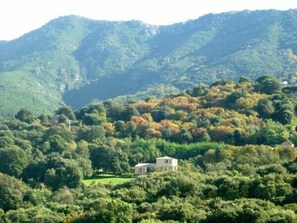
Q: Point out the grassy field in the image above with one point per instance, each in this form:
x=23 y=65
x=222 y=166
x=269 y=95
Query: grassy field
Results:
x=108 y=179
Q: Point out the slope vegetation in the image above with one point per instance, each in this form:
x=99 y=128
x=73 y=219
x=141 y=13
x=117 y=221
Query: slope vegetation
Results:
x=74 y=60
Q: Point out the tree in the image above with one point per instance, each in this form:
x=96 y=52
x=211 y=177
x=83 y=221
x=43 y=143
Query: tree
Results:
x=6 y=141
x=91 y=133
x=44 y=118
x=115 y=211
x=101 y=157
x=265 y=108
x=13 y=160
x=284 y=110
x=93 y=118
x=114 y=110
x=66 y=111
x=143 y=151
x=268 y=84
x=185 y=136
x=33 y=174
x=109 y=159
x=11 y=192
x=25 y=115
x=176 y=210
x=119 y=162
x=273 y=133
x=67 y=173
x=60 y=131
x=244 y=80
x=33 y=215
x=63 y=196
x=97 y=108
x=199 y=90
x=55 y=171
x=128 y=112
x=234 y=96
x=270 y=187
x=108 y=211
x=55 y=143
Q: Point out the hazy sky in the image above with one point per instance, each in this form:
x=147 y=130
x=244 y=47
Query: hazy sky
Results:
x=21 y=16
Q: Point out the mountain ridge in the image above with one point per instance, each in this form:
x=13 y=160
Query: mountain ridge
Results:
x=75 y=60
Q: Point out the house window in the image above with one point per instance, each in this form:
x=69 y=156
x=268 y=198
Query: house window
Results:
x=143 y=170
x=167 y=161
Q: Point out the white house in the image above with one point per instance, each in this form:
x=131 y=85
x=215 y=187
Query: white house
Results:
x=142 y=168
x=166 y=163
x=162 y=163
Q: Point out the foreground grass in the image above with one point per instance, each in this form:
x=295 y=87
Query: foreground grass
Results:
x=108 y=179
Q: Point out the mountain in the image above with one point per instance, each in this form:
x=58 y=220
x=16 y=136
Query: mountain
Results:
x=75 y=60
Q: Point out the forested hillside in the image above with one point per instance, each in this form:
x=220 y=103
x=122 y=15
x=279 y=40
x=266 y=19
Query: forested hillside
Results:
x=76 y=61
x=226 y=136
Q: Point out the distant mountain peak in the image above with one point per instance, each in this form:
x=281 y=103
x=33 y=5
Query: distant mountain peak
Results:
x=76 y=60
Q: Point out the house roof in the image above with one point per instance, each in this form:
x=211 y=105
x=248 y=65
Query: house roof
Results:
x=165 y=158
x=144 y=164
x=287 y=142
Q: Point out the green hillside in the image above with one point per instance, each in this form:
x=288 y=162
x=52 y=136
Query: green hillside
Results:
x=74 y=60
x=233 y=141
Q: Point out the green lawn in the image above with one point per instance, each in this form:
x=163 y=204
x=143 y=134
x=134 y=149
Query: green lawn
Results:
x=108 y=179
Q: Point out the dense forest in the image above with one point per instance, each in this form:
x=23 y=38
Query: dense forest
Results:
x=226 y=136
x=77 y=61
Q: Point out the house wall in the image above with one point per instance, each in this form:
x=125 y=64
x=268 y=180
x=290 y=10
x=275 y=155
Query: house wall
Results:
x=145 y=168
x=166 y=164
x=141 y=170
x=163 y=163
